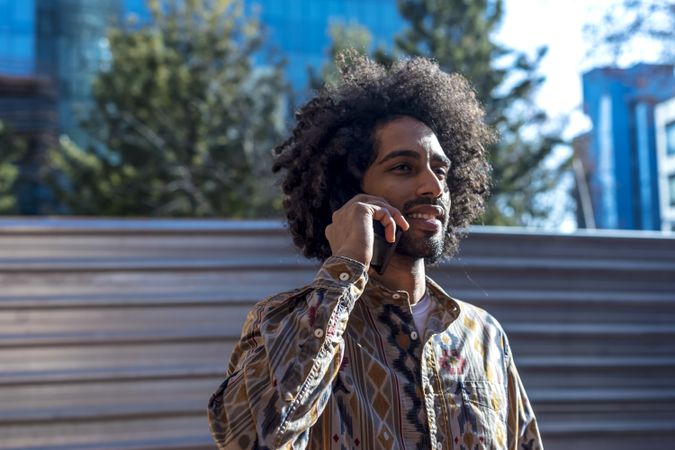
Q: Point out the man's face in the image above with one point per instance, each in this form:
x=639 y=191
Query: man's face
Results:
x=410 y=171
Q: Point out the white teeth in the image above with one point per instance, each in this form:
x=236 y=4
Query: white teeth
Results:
x=422 y=216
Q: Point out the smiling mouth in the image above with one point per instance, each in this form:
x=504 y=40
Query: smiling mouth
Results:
x=423 y=216
x=429 y=223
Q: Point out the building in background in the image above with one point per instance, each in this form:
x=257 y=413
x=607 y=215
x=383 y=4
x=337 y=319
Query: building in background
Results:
x=299 y=29
x=50 y=51
x=664 y=121
x=65 y=40
x=60 y=40
x=17 y=37
x=28 y=105
x=71 y=47
x=619 y=156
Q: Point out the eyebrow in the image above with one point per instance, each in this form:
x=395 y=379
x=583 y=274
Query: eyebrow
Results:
x=413 y=154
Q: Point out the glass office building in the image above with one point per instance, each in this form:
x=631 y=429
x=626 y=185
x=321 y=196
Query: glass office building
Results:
x=64 y=40
x=50 y=51
x=627 y=178
x=71 y=47
x=17 y=37
x=60 y=40
x=664 y=121
x=299 y=29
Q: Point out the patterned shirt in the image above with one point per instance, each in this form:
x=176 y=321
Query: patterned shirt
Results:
x=339 y=364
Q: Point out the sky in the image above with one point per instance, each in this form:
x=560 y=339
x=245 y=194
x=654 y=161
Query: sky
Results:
x=558 y=24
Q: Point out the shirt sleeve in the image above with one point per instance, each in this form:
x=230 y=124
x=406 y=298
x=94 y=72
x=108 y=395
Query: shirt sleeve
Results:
x=280 y=373
x=523 y=431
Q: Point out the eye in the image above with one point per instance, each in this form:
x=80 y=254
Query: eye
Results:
x=441 y=171
x=401 y=168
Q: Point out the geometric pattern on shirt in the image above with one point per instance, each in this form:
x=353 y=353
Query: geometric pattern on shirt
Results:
x=399 y=324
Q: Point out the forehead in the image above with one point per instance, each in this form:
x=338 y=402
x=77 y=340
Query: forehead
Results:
x=405 y=133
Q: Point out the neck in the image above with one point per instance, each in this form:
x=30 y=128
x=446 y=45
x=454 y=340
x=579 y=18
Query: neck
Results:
x=404 y=274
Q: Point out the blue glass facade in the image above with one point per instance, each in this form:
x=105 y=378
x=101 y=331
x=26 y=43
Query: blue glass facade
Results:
x=50 y=51
x=28 y=105
x=670 y=139
x=17 y=37
x=299 y=28
x=64 y=40
x=71 y=47
x=622 y=149
x=136 y=9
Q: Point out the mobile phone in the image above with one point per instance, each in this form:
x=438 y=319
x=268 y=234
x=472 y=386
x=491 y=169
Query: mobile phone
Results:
x=383 y=250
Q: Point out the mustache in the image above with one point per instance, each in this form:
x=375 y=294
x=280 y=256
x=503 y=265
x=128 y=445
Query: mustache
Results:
x=407 y=206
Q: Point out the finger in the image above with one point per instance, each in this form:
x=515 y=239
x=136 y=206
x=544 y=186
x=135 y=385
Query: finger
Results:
x=383 y=216
x=398 y=217
x=400 y=220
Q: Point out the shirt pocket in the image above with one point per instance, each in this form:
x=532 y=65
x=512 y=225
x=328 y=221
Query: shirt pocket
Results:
x=481 y=419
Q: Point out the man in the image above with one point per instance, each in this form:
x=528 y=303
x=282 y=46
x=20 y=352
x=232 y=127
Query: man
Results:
x=357 y=359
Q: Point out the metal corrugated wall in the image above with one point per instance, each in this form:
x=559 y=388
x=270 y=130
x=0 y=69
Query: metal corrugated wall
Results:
x=113 y=334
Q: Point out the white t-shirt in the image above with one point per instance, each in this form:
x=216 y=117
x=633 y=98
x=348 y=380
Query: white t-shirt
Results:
x=420 y=312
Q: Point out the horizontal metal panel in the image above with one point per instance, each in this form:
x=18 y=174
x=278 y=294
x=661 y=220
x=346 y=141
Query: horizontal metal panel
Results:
x=113 y=329
x=111 y=358
x=124 y=433
x=121 y=323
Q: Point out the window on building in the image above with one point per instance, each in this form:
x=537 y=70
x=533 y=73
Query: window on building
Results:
x=670 y=138
x=671 y=189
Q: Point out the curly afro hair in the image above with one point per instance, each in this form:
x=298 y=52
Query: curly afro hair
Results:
x=333 y=143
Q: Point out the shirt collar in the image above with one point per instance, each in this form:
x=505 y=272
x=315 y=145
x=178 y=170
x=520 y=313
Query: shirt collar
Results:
x=444 y=309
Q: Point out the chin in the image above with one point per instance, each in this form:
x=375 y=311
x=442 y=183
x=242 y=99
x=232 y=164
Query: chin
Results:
x=430 y=248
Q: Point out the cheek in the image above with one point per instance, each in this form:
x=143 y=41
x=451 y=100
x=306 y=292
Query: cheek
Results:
x=391 y=193
x=381 y=187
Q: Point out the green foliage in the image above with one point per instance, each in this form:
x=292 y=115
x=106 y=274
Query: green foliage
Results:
x=12 y=149
x=459 y=35
x=343 y=36
x=182 y=124
x=94 y=184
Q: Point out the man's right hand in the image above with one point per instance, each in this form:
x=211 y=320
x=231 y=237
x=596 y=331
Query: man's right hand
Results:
x=351 y=232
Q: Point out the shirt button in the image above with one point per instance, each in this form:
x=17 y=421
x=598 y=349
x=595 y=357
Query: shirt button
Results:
x=318 y=333
x=344 y=276
x=439 y=445
x=288 y=397
x=413 y=335
x=396 y=296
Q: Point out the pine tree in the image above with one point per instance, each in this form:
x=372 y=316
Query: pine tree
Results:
x=12 y=149
x=182 y=123
x=351 y=35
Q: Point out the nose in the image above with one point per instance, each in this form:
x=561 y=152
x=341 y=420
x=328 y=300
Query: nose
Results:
x=430 y=185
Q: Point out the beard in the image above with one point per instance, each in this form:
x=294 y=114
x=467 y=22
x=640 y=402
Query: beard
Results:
x=428 y=246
